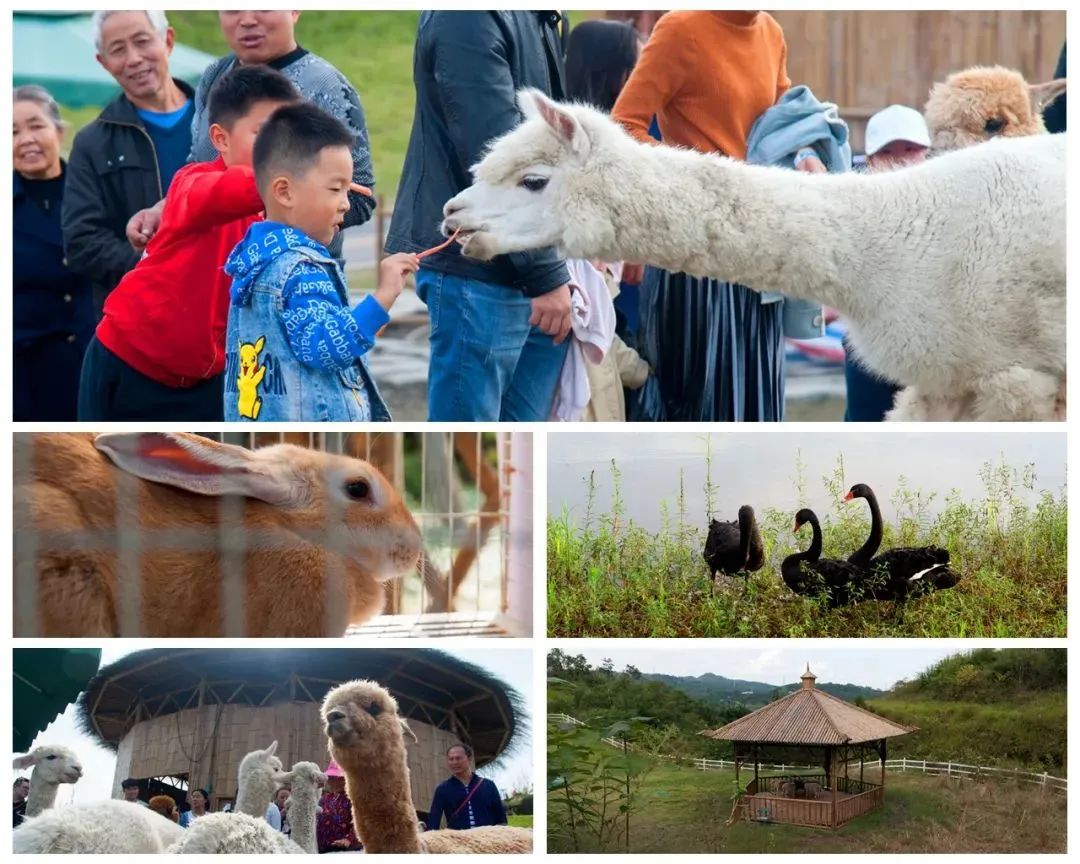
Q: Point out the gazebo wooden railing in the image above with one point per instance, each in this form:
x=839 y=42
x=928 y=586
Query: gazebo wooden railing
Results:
x=769 y=799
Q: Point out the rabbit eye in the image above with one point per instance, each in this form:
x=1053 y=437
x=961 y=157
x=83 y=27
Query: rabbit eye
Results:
x=374 y=710
x=994 y=125
x=358 y=490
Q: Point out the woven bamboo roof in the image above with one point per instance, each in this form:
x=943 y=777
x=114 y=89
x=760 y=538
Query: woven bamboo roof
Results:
x=809 y=717
x=430 y=686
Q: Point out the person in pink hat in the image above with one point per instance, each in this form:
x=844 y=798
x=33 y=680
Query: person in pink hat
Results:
x=334 y=830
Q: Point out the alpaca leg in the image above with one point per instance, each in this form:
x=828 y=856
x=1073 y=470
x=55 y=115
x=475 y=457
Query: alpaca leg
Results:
x=908 y=406
x=1018 y=394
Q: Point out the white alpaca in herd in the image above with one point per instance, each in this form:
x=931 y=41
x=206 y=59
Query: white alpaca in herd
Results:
x=951 y=273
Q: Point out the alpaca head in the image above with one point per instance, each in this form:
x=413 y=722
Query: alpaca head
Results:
x=261 y=766
x=361 y=720
x=986 y=102
x=539 y=185
x=303 y=774
x=166 y=806
x=52 y=765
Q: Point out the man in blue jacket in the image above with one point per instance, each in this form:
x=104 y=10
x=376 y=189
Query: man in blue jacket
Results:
x=467 y=799
x=498 y=328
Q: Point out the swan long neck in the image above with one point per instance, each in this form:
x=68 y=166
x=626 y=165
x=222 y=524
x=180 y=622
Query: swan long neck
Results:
x=867 y=550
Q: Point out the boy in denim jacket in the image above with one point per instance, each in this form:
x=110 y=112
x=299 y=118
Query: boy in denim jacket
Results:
x=295 y=348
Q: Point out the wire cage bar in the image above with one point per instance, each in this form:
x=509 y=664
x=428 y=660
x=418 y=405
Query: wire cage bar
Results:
x=469 y=493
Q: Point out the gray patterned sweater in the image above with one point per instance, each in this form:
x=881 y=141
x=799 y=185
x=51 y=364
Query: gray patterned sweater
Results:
x=322 y=85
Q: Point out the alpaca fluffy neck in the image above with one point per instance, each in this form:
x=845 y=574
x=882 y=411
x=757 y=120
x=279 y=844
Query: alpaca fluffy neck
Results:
x=382 y=805
x=302 y=803
x=42 y=796
x=767 y=228
x=256 y=790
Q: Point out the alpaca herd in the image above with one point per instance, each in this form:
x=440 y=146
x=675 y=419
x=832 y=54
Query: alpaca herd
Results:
x=898 y=574
x=365 y=736
x=951 y=274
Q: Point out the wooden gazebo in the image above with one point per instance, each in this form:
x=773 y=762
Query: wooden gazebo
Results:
x=811 y=728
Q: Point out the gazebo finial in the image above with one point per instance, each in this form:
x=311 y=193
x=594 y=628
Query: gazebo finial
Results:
x=808 y=678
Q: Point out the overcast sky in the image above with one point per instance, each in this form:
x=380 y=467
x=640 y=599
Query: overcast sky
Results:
x=511 y=664
x=756 y=469
x=843 y=661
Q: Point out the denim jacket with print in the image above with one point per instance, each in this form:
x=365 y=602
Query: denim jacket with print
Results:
x=265 y=380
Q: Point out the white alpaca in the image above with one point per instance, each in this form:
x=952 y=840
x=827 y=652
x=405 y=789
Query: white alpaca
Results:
x=259 y=776
x=97 y=827
x=52 y=766
x=233 y=833
x=305 y=782
x=245 y=830
x=952 y=273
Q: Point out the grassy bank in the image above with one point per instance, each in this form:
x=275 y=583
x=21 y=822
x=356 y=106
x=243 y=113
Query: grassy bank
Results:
x=610 y=578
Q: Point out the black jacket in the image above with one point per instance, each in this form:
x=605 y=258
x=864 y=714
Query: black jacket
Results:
x=467 y=69
x=48 y=298
x=1054 y=113
x=112 y=174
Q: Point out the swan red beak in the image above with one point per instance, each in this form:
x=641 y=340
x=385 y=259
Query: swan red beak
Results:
x=798 y=525
x=848 y=497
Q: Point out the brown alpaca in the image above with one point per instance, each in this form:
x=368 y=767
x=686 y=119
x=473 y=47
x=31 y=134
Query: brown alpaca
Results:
x=320 y=533
x=986 y=102
x=166 y=806
x=366 y=738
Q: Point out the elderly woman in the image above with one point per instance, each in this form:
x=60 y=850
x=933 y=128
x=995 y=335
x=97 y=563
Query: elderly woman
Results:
x=334 y=830
x=706 y=76
x=53 y=308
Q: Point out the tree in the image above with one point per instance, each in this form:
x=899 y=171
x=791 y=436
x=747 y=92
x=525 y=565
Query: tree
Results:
x=633 y=672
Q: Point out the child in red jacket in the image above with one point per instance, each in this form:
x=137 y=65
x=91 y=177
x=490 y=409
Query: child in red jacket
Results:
x=159 y=351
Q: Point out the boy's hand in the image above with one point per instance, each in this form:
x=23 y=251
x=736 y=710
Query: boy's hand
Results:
x=551 y=313
x=393 y=270
x=144 y=225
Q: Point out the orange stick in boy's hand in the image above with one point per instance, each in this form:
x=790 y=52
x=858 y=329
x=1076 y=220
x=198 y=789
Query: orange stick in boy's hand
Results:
x=440 y=247
x=360 y=190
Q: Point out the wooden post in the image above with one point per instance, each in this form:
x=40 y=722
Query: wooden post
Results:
x=833 y=770
x=862 y=757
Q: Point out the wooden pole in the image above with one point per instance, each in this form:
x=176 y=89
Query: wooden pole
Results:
x=833 y=768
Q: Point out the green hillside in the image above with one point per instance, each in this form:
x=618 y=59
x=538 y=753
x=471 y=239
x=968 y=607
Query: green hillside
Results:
x=721 y=691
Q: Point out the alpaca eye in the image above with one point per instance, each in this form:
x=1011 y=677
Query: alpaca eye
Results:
x=994 y=125
x=374 y=710
x=49 y=758
x=335 y=715
x=534 y=183
x=358 y=490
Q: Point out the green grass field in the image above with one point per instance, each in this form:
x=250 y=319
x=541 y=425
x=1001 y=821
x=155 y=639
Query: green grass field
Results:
x=607 y=578
x=374 y=50
x=520 y=821
x=682 y=810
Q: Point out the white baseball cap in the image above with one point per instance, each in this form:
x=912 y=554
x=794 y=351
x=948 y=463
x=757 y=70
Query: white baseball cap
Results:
x=895 y=123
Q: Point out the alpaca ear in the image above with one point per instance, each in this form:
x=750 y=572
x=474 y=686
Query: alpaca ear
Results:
x=271 y=750
x=407 y=731
x=22 y=762
x=1043 y=94
x=195 y=464
x=563 y=123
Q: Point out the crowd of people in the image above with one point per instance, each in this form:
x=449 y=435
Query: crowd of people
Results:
x=464 y=800
x=185 y=263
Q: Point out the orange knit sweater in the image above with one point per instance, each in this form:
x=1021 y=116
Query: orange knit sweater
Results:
x=707 y=76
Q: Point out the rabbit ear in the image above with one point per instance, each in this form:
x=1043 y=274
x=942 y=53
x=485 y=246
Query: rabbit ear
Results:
x=195 y=464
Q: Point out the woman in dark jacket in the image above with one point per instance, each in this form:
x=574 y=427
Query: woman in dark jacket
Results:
x=53 y=312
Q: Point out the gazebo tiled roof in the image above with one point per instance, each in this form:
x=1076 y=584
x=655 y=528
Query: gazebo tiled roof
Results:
x=809 y=717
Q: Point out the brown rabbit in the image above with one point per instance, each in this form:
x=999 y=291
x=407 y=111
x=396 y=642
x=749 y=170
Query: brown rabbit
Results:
x=281 y=541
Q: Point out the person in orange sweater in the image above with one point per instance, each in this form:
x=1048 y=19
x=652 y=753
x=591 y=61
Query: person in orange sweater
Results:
x=706 y=76
x=159 y=350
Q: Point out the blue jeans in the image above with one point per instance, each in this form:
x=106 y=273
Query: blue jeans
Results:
x=487 y=362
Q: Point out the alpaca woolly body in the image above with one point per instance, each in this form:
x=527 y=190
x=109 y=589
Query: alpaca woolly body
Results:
x=257 y=779
x=305 y=782
x=53 y=764
x=952 y=273
x=233 y=833
x=366 y=739
x=102 y=827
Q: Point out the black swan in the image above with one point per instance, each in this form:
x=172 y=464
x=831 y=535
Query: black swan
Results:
x=734 y=547
x=899 y=573
x=810 y=575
